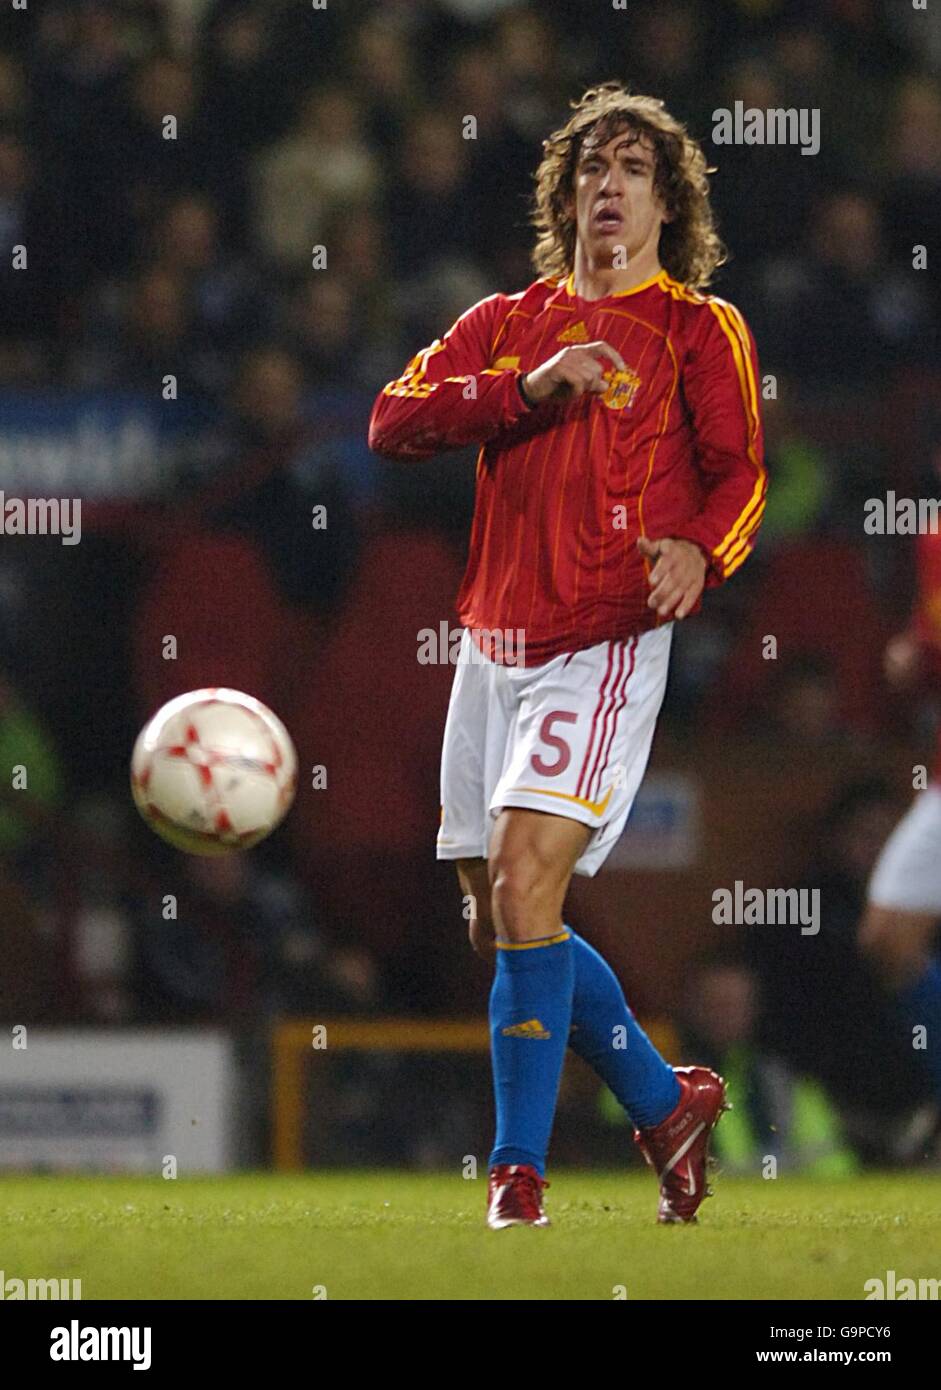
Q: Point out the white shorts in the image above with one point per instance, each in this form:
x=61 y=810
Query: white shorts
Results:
x=570 y=737
x=907 y=875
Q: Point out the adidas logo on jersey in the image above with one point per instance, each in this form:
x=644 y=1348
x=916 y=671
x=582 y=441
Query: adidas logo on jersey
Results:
x=577 y=333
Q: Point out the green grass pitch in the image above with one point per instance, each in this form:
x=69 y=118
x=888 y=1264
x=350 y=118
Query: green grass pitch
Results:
x=393 y=1235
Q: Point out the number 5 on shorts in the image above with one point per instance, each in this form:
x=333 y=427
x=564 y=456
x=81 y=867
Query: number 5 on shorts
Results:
x=554 y=741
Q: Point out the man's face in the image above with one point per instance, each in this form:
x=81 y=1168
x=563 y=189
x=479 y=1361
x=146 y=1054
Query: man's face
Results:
x=615 y=203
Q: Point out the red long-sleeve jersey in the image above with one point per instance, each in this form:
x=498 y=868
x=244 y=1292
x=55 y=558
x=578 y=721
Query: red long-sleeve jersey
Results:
x=926 y=618
x=672 y=449
x=925 y=625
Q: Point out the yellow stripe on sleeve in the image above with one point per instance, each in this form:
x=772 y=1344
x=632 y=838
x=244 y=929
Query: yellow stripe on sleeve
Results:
x=746 y=376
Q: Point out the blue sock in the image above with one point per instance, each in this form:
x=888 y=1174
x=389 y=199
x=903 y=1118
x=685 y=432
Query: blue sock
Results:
x=920 y=1004
x=530 y=1017
x=607 y=1035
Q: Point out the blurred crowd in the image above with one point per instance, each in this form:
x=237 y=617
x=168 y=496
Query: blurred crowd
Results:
x=279 y=204
x=172 y=166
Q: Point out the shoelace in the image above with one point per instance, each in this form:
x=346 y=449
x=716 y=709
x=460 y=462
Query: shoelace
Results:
x=533 y=1188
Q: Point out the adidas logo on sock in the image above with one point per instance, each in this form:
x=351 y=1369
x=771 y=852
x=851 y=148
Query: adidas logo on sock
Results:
x=532 y=1028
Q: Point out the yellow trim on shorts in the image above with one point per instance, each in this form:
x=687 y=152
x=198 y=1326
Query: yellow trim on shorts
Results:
x=597 y=808
x=531 y=945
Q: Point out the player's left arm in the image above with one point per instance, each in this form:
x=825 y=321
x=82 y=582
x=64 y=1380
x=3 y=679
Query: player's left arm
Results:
x=720 y=385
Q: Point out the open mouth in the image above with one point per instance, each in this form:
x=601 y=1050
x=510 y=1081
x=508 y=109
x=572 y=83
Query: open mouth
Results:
x=608 y=219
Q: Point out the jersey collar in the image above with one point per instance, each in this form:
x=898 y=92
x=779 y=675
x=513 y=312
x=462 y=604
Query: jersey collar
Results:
x=658 y=279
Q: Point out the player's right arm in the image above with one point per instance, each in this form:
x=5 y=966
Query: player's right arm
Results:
x=913 y=656
x=449 y=396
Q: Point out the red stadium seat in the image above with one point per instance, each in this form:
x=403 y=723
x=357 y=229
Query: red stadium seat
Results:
x=369 y=712
x=815 y=599
x=214 y=594
x=373 y=717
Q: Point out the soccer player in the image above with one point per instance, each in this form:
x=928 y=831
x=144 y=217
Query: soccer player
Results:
x=899 y=928
x=621 y=473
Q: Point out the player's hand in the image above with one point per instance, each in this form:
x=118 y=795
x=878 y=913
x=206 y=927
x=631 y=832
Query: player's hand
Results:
x=677 y=577
x=902 y=660
x=482 y=940
x=572 y=372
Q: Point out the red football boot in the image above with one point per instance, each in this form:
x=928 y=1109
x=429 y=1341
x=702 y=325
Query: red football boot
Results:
x=514 y=1196
x=678 y=1147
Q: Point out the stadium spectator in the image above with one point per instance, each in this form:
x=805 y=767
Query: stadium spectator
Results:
x=431 y=216
x=240 y=946
x=30 y=790
x=834 y=1034
x=664 y=49
x=531 y=61
x=802 y=471
x=271 y=472
x=96 y=914
x=30 y=273
x=500 y=162
x=324 y=160
x=241 y=95
x=143 y=330
x=843 y=313
x=801 y=706
x=382 y=66
x=359 y=254
x=778 y=1112
x=759 y=201
x=227 y=303
x=912 y=190
x=12 y=90
x=327 y=331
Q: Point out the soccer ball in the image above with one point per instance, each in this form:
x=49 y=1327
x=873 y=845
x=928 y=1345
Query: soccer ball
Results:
x=213 y=771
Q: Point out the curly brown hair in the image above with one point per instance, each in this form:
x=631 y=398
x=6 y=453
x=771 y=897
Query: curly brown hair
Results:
x=690 y=248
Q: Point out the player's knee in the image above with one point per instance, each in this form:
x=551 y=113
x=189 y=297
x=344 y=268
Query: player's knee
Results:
x=524 y=896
